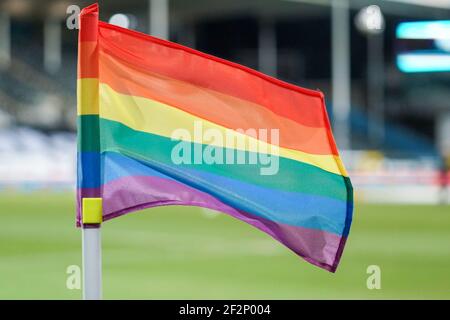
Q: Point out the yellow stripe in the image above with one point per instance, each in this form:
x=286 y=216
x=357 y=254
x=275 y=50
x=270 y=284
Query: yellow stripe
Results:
x=87 y=96
x=154 y=117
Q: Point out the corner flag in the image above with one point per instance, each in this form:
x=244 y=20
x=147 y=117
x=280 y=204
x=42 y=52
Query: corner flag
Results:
x=162 y=124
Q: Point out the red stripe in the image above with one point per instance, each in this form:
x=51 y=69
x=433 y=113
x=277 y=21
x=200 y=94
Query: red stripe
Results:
x=88 y=43
x=89 y=24
x=175 y=61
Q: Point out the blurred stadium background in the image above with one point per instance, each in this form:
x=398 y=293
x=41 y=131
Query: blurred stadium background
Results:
x=384 y=67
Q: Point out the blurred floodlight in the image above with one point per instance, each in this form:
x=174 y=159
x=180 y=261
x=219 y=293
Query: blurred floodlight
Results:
x=430 y=56
x=423 y=62
x=437 y=29
x=370 y=20
x=120 y=19
x=128 y=21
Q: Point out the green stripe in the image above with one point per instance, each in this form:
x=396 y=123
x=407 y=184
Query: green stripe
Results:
x=292 y=176
x=88 y=133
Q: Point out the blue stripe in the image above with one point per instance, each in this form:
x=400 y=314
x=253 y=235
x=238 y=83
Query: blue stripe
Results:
x=88 y=166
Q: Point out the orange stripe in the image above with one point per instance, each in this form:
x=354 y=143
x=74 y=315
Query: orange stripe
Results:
x=219 y=108
x=87 y=59
x=177 y=62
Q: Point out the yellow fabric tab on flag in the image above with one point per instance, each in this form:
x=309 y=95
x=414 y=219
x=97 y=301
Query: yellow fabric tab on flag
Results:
x=92 y=210
x=87 y=96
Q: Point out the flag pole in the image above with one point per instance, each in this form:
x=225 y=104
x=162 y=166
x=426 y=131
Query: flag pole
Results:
x=92 y=209
x=92 y=263
x=89 y=166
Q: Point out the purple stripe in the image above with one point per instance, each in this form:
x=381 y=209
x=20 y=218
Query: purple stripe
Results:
x=128 y=194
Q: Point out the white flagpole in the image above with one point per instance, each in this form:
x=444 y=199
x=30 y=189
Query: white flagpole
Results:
x=92 y=264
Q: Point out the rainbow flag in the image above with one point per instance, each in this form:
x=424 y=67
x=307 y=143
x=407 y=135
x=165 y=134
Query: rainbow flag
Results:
x=162 y=124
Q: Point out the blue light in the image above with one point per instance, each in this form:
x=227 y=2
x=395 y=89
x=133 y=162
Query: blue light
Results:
x=438 y=29
x=423 y=62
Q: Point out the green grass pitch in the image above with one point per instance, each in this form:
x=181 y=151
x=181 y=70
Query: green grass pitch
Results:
x=185 y=253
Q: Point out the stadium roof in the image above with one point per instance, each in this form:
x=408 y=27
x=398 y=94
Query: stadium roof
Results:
x=182 y=9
